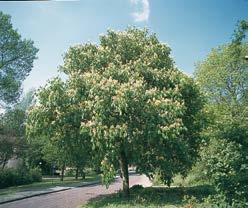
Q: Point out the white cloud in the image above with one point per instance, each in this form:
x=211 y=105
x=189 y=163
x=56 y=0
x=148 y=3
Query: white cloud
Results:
x=143 y=14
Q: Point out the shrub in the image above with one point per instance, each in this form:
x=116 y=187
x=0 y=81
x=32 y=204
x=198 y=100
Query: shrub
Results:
x=22 y=179
x=14 y=177
x=7 y=178
x=220 y=201
x=36 y=175
x=136 y=188
x=223 y=164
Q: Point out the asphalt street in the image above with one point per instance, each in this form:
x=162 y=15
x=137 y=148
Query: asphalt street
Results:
x=74 y=197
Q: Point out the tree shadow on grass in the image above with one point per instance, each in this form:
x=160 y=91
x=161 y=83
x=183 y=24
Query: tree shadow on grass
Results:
x=152 y=196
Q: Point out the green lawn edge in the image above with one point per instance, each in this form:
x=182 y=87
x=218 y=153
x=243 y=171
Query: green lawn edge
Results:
x=49 y=183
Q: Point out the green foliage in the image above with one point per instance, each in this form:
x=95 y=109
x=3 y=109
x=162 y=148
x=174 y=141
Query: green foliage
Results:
x=223 y=165
x=34 y=156
x=157 y=178
x=26 y=101
x=239 y=33
x=221 y=159
x=135 y=105
x=11 y=135
x=17 y=56
x=54 y=122
x=15 y=177
x=223 y=77
x=8 y=177
x=35 y=174
x=137 y=188
x=155 y=197
x=6 y=150
x=70 y=172
x=12 y=131
x=13 y=123
x=219 y=201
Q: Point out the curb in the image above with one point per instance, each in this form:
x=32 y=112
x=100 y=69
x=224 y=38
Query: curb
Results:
x=49 y=192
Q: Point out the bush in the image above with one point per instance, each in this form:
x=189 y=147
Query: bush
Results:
x=36 y=175
x=136 y=188
x=22 y=178
x=223 y=164
x=14 y=177
x=7 y=178
x=234 y=189
x=219 y=201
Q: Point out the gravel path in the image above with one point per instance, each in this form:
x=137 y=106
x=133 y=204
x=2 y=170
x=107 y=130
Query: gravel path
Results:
x=74 y=197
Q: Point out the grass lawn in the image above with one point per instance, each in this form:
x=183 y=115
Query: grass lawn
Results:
x=154 y=197
x=48 y=183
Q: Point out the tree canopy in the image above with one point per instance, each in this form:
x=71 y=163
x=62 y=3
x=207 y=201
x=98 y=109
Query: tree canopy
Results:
x=223 y=77
x=55 y=120
x=17 y=56
x=12 y=130
x=127 y=100
x=11 y=134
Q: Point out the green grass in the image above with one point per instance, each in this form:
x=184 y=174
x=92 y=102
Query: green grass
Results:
x=48 y=183
x=190 y=180
x=179 y=180
x=154 y=197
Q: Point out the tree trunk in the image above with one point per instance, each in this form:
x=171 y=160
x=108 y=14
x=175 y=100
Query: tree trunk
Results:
x=3 y=166
x=121 y=174
x=5 y=161
x=83 y=175
x=124 y=172
x=76 y=177
x=62 y=172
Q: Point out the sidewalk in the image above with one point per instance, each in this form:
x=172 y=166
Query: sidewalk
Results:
x=37 y=192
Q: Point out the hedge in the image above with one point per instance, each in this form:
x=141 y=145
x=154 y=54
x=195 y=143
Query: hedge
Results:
x=15 y=177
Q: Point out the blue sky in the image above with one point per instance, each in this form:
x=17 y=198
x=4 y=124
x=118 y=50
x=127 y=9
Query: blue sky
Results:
x=190 y=27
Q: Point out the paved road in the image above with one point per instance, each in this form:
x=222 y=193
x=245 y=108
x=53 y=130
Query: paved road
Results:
x=74 y=197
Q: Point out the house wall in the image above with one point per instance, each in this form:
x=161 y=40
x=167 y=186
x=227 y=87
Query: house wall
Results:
x=14 y=163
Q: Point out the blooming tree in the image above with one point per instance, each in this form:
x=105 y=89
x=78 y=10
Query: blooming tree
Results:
x=139 y=108
x=126 y=100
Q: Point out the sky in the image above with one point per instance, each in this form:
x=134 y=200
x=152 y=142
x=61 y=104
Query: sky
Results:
x=190 y=27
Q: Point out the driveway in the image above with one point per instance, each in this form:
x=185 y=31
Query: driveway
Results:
x=74 y=197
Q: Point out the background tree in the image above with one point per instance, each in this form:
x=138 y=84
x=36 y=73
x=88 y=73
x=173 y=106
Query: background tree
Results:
x=138 y=108
x=17 y=56
x=27 y=100
x=32 y=154
x=223 y=76
x=7 y=146
x=55 y=119
x=11 y=135
x=12 y=130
